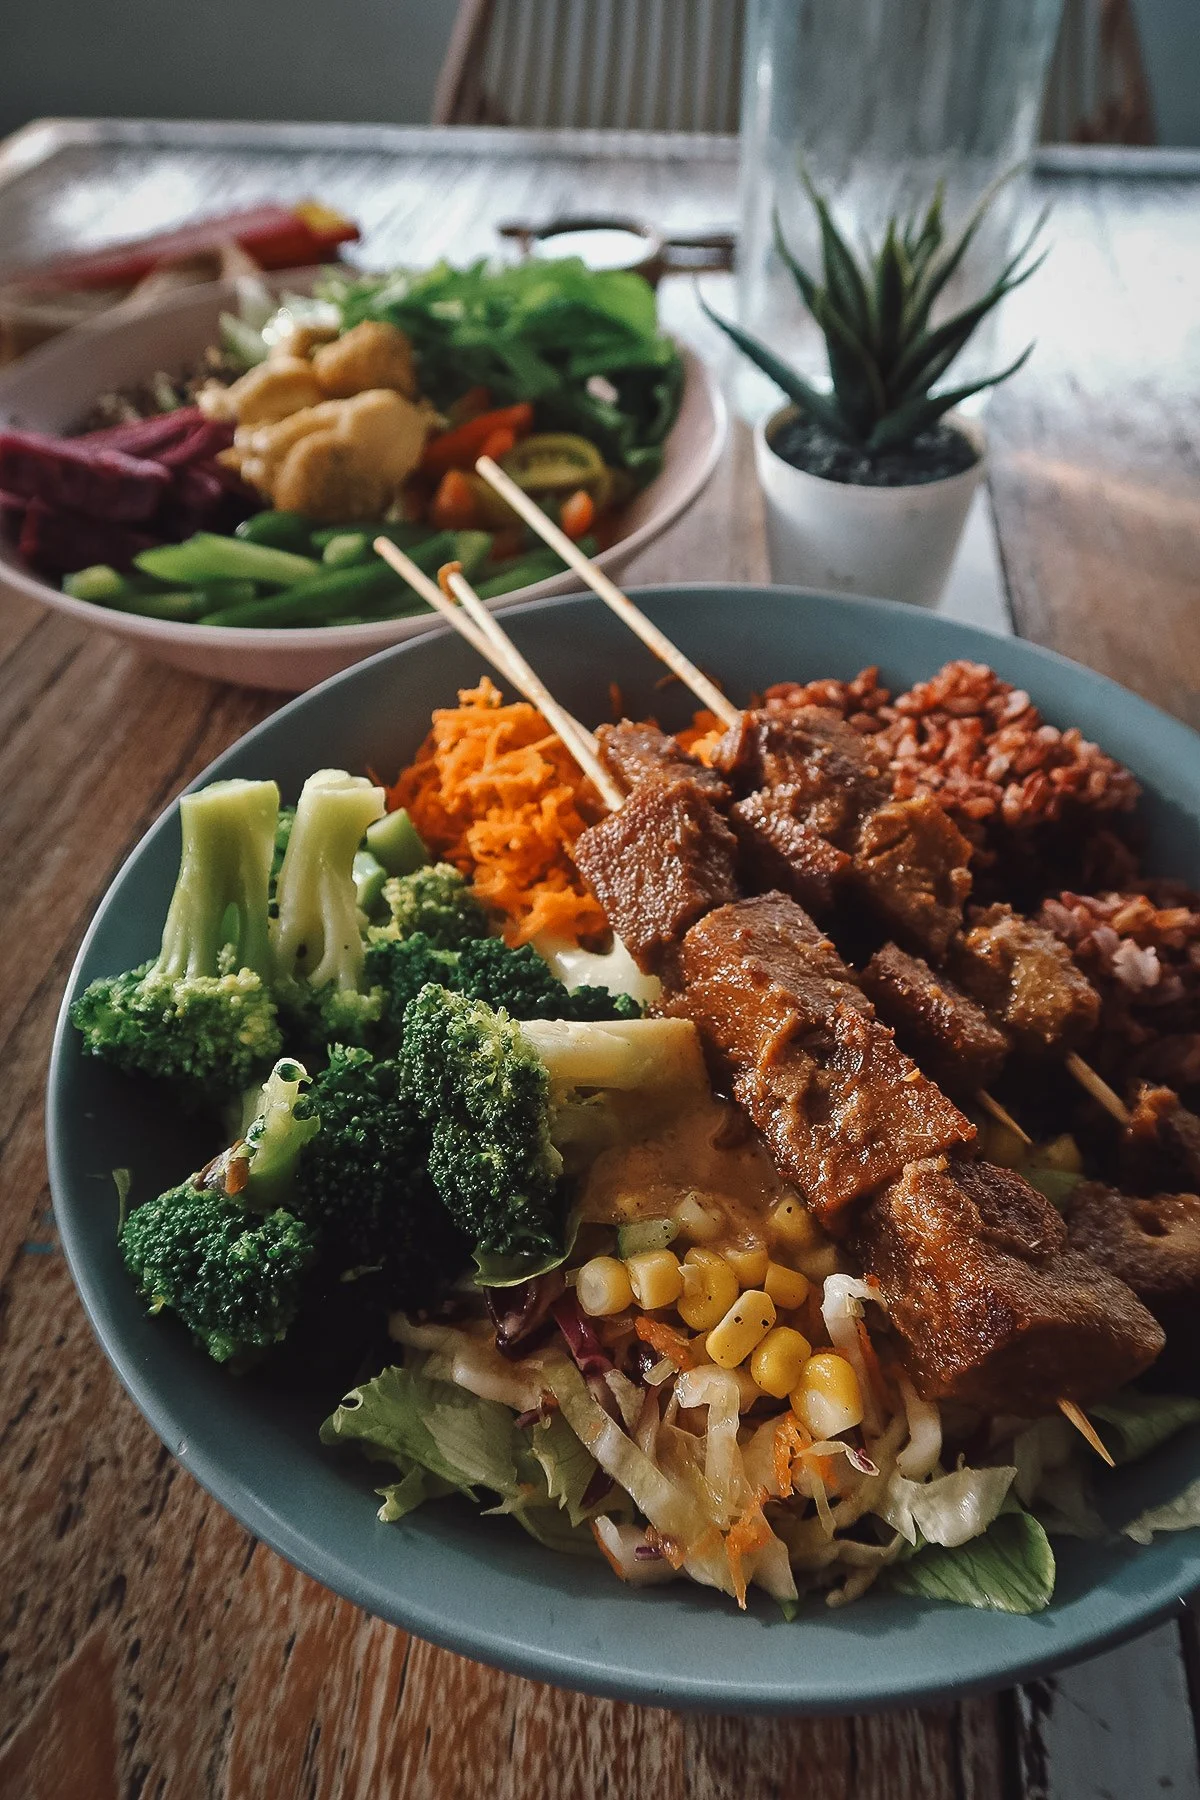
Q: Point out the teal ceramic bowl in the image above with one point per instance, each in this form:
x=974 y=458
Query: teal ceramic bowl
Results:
x=475 y=1584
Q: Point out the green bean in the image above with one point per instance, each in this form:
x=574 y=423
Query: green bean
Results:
x=207 y=557
x=279 y=531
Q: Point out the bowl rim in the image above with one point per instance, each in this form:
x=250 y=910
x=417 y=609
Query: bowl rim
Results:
x=902 y=1684
x=371 y=635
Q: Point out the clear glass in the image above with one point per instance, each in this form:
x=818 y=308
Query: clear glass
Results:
x=881 y=99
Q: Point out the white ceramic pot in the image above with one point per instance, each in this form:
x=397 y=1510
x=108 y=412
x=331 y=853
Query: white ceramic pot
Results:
x=894 y=543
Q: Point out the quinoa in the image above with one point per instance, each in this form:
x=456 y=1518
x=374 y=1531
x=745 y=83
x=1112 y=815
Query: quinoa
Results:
x=1141 y=951
x=980 y=746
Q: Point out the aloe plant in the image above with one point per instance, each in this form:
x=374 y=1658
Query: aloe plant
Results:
x=874 y=310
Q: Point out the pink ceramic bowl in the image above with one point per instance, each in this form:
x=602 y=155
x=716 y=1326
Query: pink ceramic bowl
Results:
x=54 y=387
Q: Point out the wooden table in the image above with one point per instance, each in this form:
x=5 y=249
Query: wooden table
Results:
x=148 y=1646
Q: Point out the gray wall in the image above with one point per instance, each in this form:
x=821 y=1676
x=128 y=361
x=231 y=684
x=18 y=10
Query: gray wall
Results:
x=234 y=59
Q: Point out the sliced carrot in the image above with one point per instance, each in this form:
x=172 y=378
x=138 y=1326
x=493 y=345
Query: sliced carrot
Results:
x=501 y=441
x=460 y=447
x=578 y=514
x=455 y=506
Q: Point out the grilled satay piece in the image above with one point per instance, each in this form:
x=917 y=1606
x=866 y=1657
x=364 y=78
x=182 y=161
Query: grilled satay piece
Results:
x=782 y=1016
x=907 y=859
x=658 y=865
x=949 y=1035
x=634 y=753
x=1162 y=1142
x=1153 y=1246
x=994 y=1305
x=781 y=850
x=1025 y=980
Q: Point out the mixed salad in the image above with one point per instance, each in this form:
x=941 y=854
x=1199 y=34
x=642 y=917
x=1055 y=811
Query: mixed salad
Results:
x=465 y=1176
x=249 y=492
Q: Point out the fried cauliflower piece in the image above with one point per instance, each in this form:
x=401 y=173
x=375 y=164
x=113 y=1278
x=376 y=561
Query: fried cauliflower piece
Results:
x=368 y=356
x=352 y=466
x=270 y=391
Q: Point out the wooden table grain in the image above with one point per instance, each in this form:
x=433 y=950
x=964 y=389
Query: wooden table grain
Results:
x=149 y=1647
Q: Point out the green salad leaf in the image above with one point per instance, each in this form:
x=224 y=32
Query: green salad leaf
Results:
x=949 y=1510
x=542 y=331
x=1009 y=1569
x=445 y=1440
x=1179 y=1514
x=1139 y=1423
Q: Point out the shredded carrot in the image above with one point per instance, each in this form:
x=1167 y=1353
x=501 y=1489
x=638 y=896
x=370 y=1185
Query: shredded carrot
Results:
x=791 y=1439
x=702 y=736
x=750 y=1532
x=673 y=1551
x=667 y=1341
x=494 y=792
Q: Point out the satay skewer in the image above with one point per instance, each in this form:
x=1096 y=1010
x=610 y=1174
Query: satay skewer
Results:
x=717 y=703
x=470 y=618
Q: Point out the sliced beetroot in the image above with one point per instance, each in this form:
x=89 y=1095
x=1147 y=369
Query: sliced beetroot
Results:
x=97 y=482
x=199 y=443
x=56 y=543
x=145 y=437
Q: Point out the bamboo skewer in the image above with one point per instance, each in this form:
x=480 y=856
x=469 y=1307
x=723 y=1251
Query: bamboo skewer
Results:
x=642 y=627
x=1083 y=1425
x=490 y=641
x=1002 y=1115
x=716 y=702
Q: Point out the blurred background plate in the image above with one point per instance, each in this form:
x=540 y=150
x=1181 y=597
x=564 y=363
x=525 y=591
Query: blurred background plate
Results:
x=477 y=1584
x=53 y=389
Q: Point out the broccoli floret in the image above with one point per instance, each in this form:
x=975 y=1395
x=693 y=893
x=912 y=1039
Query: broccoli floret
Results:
x=506 y=1101
x=283 y=832
x=202 y=1014
x=318 y=934
x=437 y=902
x=362 y=1185
x=484 y=969
x=234 y=1277
x=485 y=1095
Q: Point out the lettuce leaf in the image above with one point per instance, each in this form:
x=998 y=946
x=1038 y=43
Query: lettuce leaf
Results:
x=445 y=1440
x=1179 y=1514
x=949 y=1510
x=1009 y=1569
x=1139 y=1423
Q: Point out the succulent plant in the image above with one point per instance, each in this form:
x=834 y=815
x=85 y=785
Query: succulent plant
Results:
x=874 y=311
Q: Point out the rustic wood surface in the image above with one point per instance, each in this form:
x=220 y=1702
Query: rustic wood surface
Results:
x=148 y=1646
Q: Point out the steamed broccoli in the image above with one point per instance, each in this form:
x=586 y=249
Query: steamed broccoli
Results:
x=220 y=1250
x=203 y=1013
x=482 y=969
x=361 y=1183
x=318 y=936
x=437 y=902
x=503 y=1101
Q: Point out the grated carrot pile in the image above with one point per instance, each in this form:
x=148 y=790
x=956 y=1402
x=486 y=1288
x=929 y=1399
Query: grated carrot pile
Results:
x=702 y=736
x=493 y=791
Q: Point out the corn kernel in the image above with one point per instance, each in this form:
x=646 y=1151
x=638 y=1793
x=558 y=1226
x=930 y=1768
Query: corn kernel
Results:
x=655 y=1278
x=777 y=1363
x=699 y=1223
x=748 y=1262
x=827 y=1398
x=710 y=1288
x=788 y=1288
x=745 y=1324
x=602 y=1287
x=791 y=1223
x=819 y=1263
